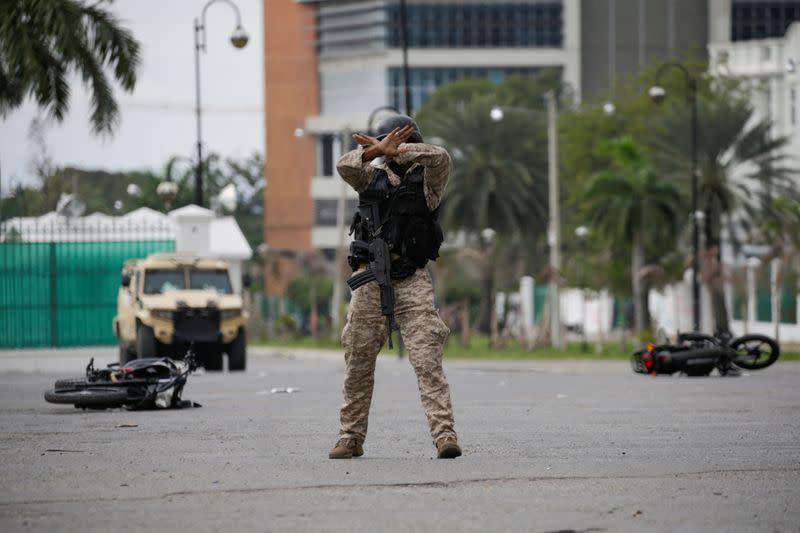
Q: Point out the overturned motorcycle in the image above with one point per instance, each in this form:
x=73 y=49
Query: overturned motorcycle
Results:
x=698 y=354
x=152 y=383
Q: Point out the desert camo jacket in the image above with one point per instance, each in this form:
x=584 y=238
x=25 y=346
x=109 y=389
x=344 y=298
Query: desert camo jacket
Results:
x=435 y=159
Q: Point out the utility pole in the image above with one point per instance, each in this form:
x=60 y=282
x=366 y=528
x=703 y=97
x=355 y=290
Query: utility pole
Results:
x=554 y=225
x=404 y=44
x=338 y=296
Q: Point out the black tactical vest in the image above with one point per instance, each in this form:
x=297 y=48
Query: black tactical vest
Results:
x=407 y=225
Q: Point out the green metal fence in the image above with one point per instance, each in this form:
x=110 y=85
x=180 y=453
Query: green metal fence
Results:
x=58 y=286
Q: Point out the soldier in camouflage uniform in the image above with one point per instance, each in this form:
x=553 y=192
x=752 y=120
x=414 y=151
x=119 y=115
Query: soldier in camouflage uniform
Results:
x=397 y=153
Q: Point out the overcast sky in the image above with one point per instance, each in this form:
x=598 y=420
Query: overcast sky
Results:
x=157 y=119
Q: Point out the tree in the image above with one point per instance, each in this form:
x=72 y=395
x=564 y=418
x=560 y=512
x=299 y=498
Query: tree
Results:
x=499 y=178
x=43 y=43
x=632 y=204
x=739 y=162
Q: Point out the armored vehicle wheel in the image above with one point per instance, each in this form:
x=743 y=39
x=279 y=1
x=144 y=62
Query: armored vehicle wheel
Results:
x=145 y=342
x=237 y=352
x=211 y=357
x=125 y=355
x=94 y=398
x=754 y=352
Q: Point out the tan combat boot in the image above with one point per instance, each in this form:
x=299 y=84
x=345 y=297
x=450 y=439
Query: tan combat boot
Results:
x=346 y=449
x=448 y=448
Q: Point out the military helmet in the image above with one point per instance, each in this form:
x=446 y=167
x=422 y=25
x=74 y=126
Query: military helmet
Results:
x=388 y=124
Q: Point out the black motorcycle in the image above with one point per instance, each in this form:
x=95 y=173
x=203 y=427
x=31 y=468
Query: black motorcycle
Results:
x=698 y=354
x=140 y=384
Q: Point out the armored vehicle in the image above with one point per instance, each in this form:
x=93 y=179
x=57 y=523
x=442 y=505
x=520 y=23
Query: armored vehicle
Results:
x=168 y=301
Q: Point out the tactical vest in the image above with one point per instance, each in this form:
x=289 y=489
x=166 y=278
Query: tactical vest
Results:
x=411 y=230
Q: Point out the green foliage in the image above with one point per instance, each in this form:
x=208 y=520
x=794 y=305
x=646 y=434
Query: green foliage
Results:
x=315 y=288
x=100 y=190
x=42 y=43
x=499 y=167
x=584 y=129
x=631 y=197
x=729 y=141
x=630 y=203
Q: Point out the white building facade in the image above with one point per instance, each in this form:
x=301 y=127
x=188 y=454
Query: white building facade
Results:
x=759 y=43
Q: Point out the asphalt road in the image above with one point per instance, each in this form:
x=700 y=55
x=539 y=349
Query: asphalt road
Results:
x=549 y=446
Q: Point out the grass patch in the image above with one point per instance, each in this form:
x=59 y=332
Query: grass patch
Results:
x=480 y=349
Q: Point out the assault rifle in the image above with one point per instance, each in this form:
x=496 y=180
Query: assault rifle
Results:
x=380 y=262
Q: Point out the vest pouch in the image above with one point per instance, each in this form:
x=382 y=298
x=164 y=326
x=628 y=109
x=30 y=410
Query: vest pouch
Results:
x=402 y=268
x=422 y=240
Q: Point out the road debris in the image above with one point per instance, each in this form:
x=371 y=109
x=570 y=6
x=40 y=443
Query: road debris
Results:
x=281 y=390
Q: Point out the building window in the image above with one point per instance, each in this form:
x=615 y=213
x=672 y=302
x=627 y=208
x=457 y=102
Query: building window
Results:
x=325 y=155
x=423 y=81
x=762 y=19
x=325 y=210
x=478 y=25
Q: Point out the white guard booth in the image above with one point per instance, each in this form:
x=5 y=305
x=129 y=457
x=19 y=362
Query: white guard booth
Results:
x=200 y=231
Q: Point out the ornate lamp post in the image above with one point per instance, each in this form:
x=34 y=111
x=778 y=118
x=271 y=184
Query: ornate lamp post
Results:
x=657 y=94
x=239 y=39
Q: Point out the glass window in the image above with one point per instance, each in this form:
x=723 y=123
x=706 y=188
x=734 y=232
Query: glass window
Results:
x=325 y=155
x=161 y=281
x=499 y=24
x=210 y=280
x=325 y=210
x=761 y=20
x=424 y=81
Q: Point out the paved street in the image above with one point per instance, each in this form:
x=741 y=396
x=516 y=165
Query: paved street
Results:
x=549 y=446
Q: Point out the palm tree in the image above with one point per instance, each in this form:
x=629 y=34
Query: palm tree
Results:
x=495 y=169
x=730 y=144
x=498 y=178
x=631 y=204
x=43 y=43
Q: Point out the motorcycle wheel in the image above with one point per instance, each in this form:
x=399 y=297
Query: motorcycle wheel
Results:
x=94 y=398
x=755 y=352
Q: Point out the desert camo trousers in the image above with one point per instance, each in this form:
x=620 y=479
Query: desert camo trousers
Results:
x=423 y=333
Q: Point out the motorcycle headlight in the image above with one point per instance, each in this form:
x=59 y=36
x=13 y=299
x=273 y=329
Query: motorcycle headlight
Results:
x=163 y=314
x=230 y=313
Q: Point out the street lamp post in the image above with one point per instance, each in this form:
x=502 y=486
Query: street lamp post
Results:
x=581 y=232
x=239 y=39
x=657 y=94
x=404 y=39
x=554 y=222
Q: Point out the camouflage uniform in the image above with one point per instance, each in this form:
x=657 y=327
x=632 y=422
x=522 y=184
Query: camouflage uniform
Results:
x=422 y=329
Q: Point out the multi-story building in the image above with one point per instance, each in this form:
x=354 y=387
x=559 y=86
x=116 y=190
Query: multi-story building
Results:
x=760 y=42
x=330 y=63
